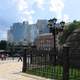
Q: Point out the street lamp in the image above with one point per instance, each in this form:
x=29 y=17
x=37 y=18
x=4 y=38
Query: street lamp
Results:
x=62 y=23
x=54 y=30
x=52 y=26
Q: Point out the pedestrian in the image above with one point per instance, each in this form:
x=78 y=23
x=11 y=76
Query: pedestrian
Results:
x=2 y=57
x=20 y=58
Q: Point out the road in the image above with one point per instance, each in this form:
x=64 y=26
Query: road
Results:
x=11 y=70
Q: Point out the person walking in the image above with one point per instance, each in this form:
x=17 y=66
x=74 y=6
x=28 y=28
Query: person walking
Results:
x=20 y=58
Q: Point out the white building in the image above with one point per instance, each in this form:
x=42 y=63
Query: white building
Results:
x=10 y=36
x=42 y=25
x=17 y=32
x=24 y=33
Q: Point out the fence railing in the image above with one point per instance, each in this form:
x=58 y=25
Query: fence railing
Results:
x=53 y=65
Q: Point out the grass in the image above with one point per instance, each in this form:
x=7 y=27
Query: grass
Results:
x=55 y=72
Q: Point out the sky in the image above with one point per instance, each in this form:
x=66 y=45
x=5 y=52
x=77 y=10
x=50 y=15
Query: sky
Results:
x=12 y=11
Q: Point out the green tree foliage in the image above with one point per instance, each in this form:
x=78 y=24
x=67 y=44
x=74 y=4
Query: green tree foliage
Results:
x=3 y=45
x=70 y=28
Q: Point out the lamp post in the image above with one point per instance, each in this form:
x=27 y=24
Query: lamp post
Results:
x=52 y=26
x=54 y=30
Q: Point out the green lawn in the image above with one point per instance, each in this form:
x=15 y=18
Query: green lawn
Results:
x=55 y=72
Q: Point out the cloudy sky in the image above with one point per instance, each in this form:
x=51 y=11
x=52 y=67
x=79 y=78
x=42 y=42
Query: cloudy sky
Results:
x=30 y=10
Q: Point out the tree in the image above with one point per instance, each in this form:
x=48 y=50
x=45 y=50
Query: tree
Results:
x=70 y=28
x=3 y=45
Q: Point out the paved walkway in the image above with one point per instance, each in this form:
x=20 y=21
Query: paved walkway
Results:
x=11 y=70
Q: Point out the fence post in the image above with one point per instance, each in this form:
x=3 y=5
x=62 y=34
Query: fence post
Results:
x=65 y=63
x=52 y=57
x=24 y=61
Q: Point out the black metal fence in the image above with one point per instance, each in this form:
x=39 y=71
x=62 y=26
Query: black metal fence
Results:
x=74 y=64
x=63 y=65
